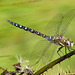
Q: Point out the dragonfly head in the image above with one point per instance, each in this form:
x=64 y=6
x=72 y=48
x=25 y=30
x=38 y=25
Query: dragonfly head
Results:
x=69 y=43
x=72 y=43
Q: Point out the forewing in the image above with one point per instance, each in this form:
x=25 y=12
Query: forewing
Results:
x=53 y=25
x=66 y=21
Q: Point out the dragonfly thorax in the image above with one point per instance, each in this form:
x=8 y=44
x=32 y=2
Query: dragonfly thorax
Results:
x=62 y=41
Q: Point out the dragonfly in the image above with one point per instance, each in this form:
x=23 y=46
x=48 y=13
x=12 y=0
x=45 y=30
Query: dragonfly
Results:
x=57 y=27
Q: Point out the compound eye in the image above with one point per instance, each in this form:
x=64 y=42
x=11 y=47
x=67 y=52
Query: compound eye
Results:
x=67 y=42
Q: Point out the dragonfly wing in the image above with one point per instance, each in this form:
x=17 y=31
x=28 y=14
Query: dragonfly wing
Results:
x=53 y=25
x=66 y=21
x=38 y=51
x=49 y=53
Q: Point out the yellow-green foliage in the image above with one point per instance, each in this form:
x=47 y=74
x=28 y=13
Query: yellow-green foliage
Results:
x=34 y=14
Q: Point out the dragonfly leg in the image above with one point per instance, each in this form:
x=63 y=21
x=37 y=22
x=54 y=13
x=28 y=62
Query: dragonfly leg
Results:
x=60 y=51
x=68 y=49
x=65 y=50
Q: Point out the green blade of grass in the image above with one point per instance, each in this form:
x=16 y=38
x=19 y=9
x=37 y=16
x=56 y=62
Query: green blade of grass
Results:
x=51 y=64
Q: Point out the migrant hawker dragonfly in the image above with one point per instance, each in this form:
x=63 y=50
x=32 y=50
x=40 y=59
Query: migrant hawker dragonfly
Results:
x=59 y=25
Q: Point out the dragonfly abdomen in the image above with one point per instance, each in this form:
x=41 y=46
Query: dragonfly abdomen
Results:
x=30 y=30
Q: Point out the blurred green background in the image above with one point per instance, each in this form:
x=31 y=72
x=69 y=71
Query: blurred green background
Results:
x=34 y=14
